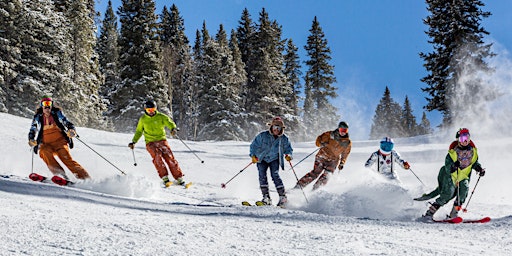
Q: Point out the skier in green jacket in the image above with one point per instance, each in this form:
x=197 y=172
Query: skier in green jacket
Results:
x=152 y=125
x=453 y=178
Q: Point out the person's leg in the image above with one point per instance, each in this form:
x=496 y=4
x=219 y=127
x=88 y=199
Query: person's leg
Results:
x=157 y=159
x=72 y=165
x=46 y=152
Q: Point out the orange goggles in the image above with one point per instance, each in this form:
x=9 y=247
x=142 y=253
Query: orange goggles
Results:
x=343 y=130
x=46 y=103
x=150 y=110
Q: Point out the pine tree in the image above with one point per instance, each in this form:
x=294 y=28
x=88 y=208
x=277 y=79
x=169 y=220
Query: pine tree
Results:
x=424 y=126
x=459 y=56
x=108 y=52
x=10 y=16
x=40 y=60
x=408 y=124
x=221 y=109
x=178 y=68
x=140 y=64
x=292 y=72
x=319 y=86
x=387 y=119
x=81 y=94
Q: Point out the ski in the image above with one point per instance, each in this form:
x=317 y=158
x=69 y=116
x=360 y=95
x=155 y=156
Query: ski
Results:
x=482 y=220
x=55 y=179
x=452 y=220
x=257 y=203
x=170 y=183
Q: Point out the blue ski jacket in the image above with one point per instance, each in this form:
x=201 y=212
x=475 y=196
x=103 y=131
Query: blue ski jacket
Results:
x=267 y=147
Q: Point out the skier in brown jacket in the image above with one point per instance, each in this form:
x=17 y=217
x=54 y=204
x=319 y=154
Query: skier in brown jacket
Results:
x=335 y=147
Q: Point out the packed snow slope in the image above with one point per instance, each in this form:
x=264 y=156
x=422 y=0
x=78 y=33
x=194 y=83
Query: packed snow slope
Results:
x=357 y=213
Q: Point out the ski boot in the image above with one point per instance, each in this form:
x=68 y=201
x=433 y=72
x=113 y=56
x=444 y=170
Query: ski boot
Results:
x=283 y=201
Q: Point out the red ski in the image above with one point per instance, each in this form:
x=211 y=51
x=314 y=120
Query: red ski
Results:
x=452 y=220
x=482 y=220
x=55 y=179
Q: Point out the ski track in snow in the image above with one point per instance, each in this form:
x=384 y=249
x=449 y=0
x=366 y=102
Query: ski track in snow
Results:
x=357 y=213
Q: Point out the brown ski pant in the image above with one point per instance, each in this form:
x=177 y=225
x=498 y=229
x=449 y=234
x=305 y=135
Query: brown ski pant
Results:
x=162 y=155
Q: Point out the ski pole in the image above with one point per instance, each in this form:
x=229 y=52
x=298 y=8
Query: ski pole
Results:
x=223 y=185
x=202 y=161
x=78 y=138
x=417 y=177
x=32 y=153
x=134 y=161
x=304 y=158
x=466 y=208
x=297 y=178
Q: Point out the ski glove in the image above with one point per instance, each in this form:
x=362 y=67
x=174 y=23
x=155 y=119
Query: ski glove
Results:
x=480 y=170
x=288 y=157
x=254 y=159
x=407 y=165
x=455 y=166
x=32 y=143
x=340 y=166
x=71 y=133
x=173 y=132
x=131 y=145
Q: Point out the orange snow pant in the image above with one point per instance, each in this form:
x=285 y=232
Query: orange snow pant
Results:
x=161 y=153
x=54 y=144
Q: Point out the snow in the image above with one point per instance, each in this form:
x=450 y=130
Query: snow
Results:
x=357 y=213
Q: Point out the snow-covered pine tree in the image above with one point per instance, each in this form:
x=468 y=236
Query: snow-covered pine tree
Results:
x=319 y=114
x=10 y=17
x=221 y=110
x=292 y=72
x=140 y=65
x=41 y=57
x=80 y=97
x=245 y=33
x=459 y=56
x=267 y=86
x=178 y=70
x=387 y=120
x=108 y=52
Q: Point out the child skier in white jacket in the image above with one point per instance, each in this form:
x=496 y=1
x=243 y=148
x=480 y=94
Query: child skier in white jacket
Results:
x=385 y=157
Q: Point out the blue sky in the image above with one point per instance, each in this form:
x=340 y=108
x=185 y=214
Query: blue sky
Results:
x=374 y=43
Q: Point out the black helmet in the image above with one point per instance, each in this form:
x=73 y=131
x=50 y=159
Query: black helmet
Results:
x=343 y=124
x=150 y=104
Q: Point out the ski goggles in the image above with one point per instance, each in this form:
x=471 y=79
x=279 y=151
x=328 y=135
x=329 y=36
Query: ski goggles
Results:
x=343 y=130
x=150 y=110
x=386 y=146
x=46 y=103
x=464 y=137
x=276 y=127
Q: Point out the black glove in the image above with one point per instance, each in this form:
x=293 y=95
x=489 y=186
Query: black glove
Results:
x=131 y=145
x=340 y=166
x=455 y=166
x=480 y=170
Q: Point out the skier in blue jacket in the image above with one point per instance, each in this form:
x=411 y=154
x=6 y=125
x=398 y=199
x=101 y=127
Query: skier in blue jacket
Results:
x=267 y=150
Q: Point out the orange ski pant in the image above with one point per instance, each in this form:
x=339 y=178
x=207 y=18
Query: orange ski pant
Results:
x=54 y=144
x=162 y=155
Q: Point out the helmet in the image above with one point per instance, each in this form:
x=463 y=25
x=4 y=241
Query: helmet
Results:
x=150 y=104
x=463 y=135
x=461 y=131
x=343 y=124
x=386 y=145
